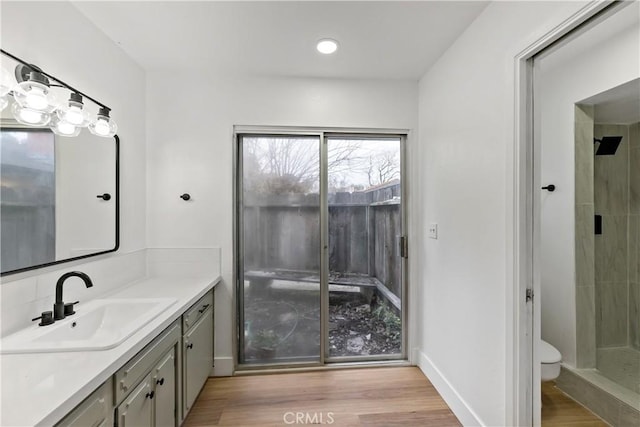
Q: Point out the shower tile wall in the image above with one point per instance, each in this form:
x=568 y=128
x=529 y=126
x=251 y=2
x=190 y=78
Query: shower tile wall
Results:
x=634 y=236
x=585 y=280
x=614 y=247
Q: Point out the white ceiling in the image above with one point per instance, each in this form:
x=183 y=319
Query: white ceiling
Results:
x=619 y=105
x=378 y=40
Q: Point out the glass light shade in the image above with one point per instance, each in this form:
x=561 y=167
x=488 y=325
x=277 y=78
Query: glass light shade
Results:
x=29 y=116
x=7 y=81
x=74 y=114
x=63 y=128
x=4 y=101
x=36 y=96
x=103 y=126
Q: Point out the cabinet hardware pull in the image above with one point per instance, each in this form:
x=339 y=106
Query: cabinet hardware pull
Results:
x=160 y=381
x=550 y=188
x=150 y=395
x=204 y=307
x=105 y=196
x=190 y=345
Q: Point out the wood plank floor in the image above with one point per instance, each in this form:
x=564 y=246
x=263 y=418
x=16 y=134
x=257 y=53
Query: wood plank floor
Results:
x=558 y=410
x=372 y=397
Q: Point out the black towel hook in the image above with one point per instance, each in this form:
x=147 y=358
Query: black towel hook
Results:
x=185 y=197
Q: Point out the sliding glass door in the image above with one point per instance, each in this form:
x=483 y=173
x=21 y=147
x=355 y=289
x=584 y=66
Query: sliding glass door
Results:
x=365 y=237
x=319 y=248
x=280 y=249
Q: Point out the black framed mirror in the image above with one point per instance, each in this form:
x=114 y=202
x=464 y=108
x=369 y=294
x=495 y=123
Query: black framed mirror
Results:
x=59 y=195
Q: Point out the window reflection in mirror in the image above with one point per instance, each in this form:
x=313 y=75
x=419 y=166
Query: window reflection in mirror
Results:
x=28 y=197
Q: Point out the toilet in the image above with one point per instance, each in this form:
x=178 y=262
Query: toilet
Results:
x=550 y=359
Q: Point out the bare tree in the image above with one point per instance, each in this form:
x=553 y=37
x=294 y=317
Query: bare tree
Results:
x=383 y=167
x=292 y=165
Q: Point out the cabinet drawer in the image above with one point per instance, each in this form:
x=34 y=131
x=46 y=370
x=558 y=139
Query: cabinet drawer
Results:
x=93 y=411
x=191 y=316
x=131 y=373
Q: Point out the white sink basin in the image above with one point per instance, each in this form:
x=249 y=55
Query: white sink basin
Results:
x=97 y=325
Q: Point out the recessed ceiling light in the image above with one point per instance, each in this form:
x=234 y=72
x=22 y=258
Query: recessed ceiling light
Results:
x=327 y=46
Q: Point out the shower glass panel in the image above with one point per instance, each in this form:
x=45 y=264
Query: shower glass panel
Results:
x=279 y=213
x=615 y=186
x=365 y=263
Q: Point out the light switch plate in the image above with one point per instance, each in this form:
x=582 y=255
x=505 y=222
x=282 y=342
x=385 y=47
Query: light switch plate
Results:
x=433 y=231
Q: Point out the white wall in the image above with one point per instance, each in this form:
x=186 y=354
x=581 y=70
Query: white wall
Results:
x=190 y=119
x=56 y=37
x=466 y=129
x=604 y=57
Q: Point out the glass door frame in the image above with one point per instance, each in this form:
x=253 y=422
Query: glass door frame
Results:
x=238 y=243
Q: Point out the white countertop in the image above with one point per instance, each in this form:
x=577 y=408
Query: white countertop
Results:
x=39 y=389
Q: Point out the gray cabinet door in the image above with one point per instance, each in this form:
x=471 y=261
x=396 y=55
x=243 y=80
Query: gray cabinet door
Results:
x=198 y=357
x=164 y=378
x=137 y=409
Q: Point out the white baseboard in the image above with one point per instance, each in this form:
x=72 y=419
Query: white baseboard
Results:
x=457 y=404
x=222 y=367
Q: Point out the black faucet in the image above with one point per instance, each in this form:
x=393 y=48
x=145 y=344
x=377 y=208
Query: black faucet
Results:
x=59 y=310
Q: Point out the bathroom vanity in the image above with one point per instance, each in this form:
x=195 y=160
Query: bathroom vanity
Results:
x=150 y=379
x=138 y=347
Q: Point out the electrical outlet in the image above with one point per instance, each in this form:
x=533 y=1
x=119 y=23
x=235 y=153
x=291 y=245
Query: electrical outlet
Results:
x=432 y=231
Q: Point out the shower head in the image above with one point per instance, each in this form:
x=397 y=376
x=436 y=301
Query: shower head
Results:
x=608 y=145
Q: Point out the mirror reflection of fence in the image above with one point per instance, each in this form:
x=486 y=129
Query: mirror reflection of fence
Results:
x=48 y=205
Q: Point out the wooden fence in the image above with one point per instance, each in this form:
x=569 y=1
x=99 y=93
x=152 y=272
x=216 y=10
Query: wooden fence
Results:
x=283 y=232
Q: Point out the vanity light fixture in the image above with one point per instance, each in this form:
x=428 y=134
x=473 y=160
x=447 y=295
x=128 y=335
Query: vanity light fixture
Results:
x=74 y=113
x=103 y=125
x=33 y=90
x=63 y=127
x=327 y=46
x=36 y=104
x=29 y=116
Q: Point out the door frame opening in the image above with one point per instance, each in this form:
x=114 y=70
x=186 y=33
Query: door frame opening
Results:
x=523 y=331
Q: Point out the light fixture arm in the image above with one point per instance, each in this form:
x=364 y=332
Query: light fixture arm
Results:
x=24 y=73
x=30 y=67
